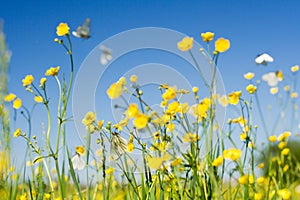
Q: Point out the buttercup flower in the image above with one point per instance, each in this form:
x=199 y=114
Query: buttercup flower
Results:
x=115 y=90
x=80 y=150
x=17 y=132
x=38 y=99
x=195 y=89
x=17 y=103
x=218 y=161
x=234 y=97
x=232 y=154
x=27 y=80
x=295 y=68
x=130 y=147
x=272 y=138
x=190 y=137
x=185 y=44
x=52 y=71
x=132 y=110
x=249 y=75
x=133 y=78
x=62 y=29
x=10 y=97
x=140 y=121
x=251 y=89
x=170 y=93
x=222 y=45
x=89 y=118
x=207 y=37
x=274 y=90
x=223 y=101
x=285 y=194
x=42 y=82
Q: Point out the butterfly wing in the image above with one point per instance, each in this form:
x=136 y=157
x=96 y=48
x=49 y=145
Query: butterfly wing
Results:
x=84 y=30
x=78 y=162
x=118 y=146
x=271 y=79
x=105 y=55
x=263 y=59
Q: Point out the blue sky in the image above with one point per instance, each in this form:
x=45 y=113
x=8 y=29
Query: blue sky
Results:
x=252 y=26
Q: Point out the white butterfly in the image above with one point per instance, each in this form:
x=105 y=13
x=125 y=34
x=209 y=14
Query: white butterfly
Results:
x=105 y=54
x=263 y=59
x=118 y=146
x=84 y=30
x=78 y=162
x=271 y=78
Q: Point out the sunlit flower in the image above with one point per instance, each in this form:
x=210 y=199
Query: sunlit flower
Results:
x=140 y=121
x=284 y=136
x=173 y=108
x=185 y=44
x=294 y=95
x=89 y=118
x=184 y=108
x=38 y=99
x=286 y=168
x=207 y=36
x=10 y=97
x=17 y=132
x=115 y=90
x=176 y=162
x=109 y=171
x=223 y=101
x=195 y=89
x=218 y=161
x=17 y=103
x=243 y=179
x=52 y=71
x=251 y=89
x=285 y=194
x=285 y=151
x=272 y=138
x=295 y=68
x=100 y=124
x=232 y=154
x=27 y=80
x=130 y=147
x=258 y=196
x=222 y=45
x=122 y=81
x=260 y=180
x=170 y=93
x=132 y=110
x=234 y=97
x=62 y=29
x=281 y=145
x=42 y=82
x=249 y=75
x=80 y=150
x=155 y=162
x=133 y=78
x=243 y=136
x=274 y=90
x=261 y=165
x=23 y=196
x=190 y=137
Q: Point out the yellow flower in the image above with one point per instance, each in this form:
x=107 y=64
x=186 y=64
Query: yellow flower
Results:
x=42 y=82
x=38 y=99
x=132 y=110
x=173 y=108
x=207 y=37
x=243 y=136
x=272 y=138
x=23 y=196
x=286 y=168
x=274 y=90
x=155 y=162
x=261 y=165
x=234 y=97
x=100 y=124
x=295 y=68
x=130 y=147
x=17 y=132
x=284 y=136
x=184 y=107
x=195 y=89
x=27 y=80
x=140 y=121
x=223 y=101
x=285 y=194
x=232 y=154
x=10 y=97
x=89 y=118
x=243 y=179
x=170 y=93
x=185 y=44
x=110 y=170
x=170 y=127
x=176 y=162
x=285 y=151
x=52 y=71
x=201 y=108
x=115 y=90
x=222 y=45
x=80 y=150
x=251 y=89
x=249 y=75
x=190 y=137
x=122 y=81
x=133 y=78
x=281 y=145
x=62 y=29
x=294 y=95
x=258 y=196
x=17 y=103
x=218 y=161
x=260 y=180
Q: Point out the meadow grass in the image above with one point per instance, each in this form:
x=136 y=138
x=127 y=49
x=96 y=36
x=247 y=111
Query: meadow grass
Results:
x=188 y=154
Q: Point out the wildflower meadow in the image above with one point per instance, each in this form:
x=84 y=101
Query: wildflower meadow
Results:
x=176 y=149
